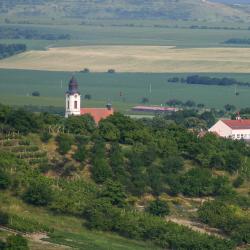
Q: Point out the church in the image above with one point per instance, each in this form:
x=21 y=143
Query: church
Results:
x=73 y=104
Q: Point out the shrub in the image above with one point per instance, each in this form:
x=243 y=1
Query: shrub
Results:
x=238 y=182
x=4 y=218
x=65 y=142
x=158 y=208
x=4 y=179
x=38 y=193
x=16 y=242
x=45 y=136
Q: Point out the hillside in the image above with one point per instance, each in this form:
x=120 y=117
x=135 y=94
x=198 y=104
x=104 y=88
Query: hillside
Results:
x=126 y=184
x=121 y=9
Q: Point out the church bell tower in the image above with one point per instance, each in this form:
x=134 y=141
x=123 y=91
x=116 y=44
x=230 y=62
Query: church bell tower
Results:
x=73 y=99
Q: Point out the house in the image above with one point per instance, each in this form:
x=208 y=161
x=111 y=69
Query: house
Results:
x=73 y=104
x=156 y=109
x=234 y=129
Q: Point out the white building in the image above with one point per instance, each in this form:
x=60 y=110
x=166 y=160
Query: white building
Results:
x=73 y=99
x=234 y=129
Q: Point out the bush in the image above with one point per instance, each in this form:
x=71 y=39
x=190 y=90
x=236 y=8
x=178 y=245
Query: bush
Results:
x=38 y=193
x=158 y=208
x=65 y=142
x=16 y=242
x=238 y=182
x=4 y=218
x=45 y=136
x=4 y=179
x=36 y=93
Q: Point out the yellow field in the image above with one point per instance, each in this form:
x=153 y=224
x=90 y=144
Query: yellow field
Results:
x=133 y=59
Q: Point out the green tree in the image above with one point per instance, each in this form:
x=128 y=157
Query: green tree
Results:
x=109 y=131
x=16 y=242
x=39 y=192
x=65 y=142
x=80 y=125
x=114 y=192
x=4 y=179
x=4 y=218
x=158 y=208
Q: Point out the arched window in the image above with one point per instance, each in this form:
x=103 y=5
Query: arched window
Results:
x=75 y=104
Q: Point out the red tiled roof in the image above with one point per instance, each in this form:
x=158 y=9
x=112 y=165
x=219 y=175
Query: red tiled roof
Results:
x=97 y=113
x=237 y=124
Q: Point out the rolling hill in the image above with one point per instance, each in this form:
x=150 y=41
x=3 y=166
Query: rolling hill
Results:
x=121 y=9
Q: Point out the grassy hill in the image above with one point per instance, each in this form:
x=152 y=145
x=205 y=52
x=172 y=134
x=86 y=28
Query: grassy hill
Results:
x=107 y=9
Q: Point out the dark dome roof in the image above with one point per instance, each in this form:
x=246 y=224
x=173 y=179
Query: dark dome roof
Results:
x=73 y=86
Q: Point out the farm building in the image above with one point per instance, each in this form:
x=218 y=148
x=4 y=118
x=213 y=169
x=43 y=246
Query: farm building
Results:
x=234 y=129
x=73 y=104
x=157 y=109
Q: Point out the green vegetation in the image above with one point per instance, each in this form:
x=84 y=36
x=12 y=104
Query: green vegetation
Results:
x=7 y=50
x=17 y=84
x=103 y=185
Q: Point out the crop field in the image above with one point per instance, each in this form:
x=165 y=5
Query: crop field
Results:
x=124 y=90
x=133 y=59
x=129 y=32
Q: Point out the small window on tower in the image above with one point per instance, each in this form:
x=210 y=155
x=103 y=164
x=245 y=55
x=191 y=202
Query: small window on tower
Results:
x=68 y=104
x=75 y=104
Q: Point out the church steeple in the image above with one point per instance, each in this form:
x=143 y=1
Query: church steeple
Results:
x=73 y=86
x=73 y=99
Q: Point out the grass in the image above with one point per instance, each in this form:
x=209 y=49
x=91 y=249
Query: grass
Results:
x=16 y=87
x=133 y=59
x=69 y=230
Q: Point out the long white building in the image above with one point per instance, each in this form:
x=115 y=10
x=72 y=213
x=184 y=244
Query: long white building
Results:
x=234 y=129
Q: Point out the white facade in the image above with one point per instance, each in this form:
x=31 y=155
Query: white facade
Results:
x=73 y=104
x=226 y=131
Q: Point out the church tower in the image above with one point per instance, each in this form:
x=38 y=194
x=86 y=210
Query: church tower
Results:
x=73 y=99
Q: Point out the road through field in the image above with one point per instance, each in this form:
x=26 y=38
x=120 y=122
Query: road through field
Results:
x=156 y=59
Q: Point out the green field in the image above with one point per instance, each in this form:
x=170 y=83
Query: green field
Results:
x=144 y=33
x=16 y=87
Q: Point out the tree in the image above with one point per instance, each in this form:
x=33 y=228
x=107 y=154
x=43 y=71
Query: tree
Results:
x=101 y=170
x=109 y=131
x=80 y=125
x=144 y=100
x=4 y=218
x=230 y=108
x=36 y=93
x=88 y=97
x=16 y=242
x=65 y=142
x=39 y=192
x=114 y=192
x=158 y=208
x=80 y=154
x=4 y=179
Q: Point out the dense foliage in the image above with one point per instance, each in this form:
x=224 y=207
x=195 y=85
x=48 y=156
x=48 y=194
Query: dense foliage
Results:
x=7 y=50
x=99 y=172
x=28 y=33
x=230 y=219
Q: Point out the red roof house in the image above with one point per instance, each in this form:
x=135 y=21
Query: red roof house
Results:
x=98 y=113
x=234 y=129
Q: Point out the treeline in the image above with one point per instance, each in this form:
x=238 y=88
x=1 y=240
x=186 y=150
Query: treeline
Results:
x=206 y=80
x=31 y=34
x=7 y=50
x=237 y=41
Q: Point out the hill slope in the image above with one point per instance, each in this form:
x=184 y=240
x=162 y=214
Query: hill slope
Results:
x=130 y=9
